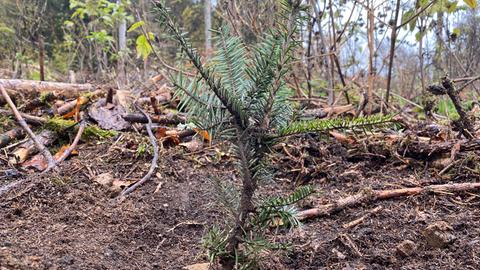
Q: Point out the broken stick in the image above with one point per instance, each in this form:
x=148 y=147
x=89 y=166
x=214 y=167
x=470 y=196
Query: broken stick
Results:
x=369 y=195
x=168 y=119
x=153 y=165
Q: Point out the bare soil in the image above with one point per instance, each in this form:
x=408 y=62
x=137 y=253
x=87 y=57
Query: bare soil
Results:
x=65 y=220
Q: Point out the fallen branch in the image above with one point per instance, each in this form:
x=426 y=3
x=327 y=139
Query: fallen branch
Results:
x=23 y=124
x=79 y=101
x=153 y=165
x=168 y=119
x=369 y=195
x=63 y=89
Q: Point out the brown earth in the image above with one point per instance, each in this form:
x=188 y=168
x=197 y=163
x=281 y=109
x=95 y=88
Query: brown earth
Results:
x=66 y=220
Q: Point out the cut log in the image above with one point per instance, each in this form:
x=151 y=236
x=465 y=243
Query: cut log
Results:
x=68 y=90
x=369 y=195
x=27 y=149
x=168 y=119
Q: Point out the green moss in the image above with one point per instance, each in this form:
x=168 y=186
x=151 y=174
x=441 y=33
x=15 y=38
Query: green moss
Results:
x=60 y=125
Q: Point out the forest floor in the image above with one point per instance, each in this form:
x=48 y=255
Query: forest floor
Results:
x=68 y=221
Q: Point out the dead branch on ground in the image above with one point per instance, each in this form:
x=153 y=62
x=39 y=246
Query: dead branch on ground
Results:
x=153 y=165
x=369 y=195
x=168 y=119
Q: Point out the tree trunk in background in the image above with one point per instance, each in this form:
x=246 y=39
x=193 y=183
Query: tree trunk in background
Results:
x=122 y=46
x=393 y=41
x=322 y=45
x=437 y=60
x=371 y=71
x=420 y=56
x=208 y=26
x=41 y=57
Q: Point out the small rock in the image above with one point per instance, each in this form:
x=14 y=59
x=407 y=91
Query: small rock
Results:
x=67 y=259
x=198 y=266
x=339 y=254
x=104 y=179
x=406 y=248
x=438 y=234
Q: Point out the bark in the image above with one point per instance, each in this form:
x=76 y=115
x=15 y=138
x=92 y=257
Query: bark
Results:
x=249 y=186
x=393 y=41
x=29 y=148
x=41 y=57
x=369 y=196
x=7 y=137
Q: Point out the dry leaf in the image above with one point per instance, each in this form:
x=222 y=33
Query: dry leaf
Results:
x=192 y=145
x=342 y=138
x=108 y=117
x=118 y=185
x=62 y=150
x=204 y=134
x=455 y=150
x=38 y=162
x=167 y=135
x=76 y=111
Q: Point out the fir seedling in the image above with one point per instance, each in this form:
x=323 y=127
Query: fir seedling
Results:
x=241 y=95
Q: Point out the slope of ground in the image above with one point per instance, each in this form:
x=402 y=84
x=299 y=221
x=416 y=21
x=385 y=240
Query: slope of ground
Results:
x=68 y=221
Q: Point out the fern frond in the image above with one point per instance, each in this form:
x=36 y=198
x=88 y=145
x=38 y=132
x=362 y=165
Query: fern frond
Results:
x=324 y=125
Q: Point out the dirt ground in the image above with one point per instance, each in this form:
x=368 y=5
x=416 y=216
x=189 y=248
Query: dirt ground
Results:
x=66 y=220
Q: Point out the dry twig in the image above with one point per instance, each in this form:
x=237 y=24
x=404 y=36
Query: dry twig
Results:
x=376 y=195
x=153 y=165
